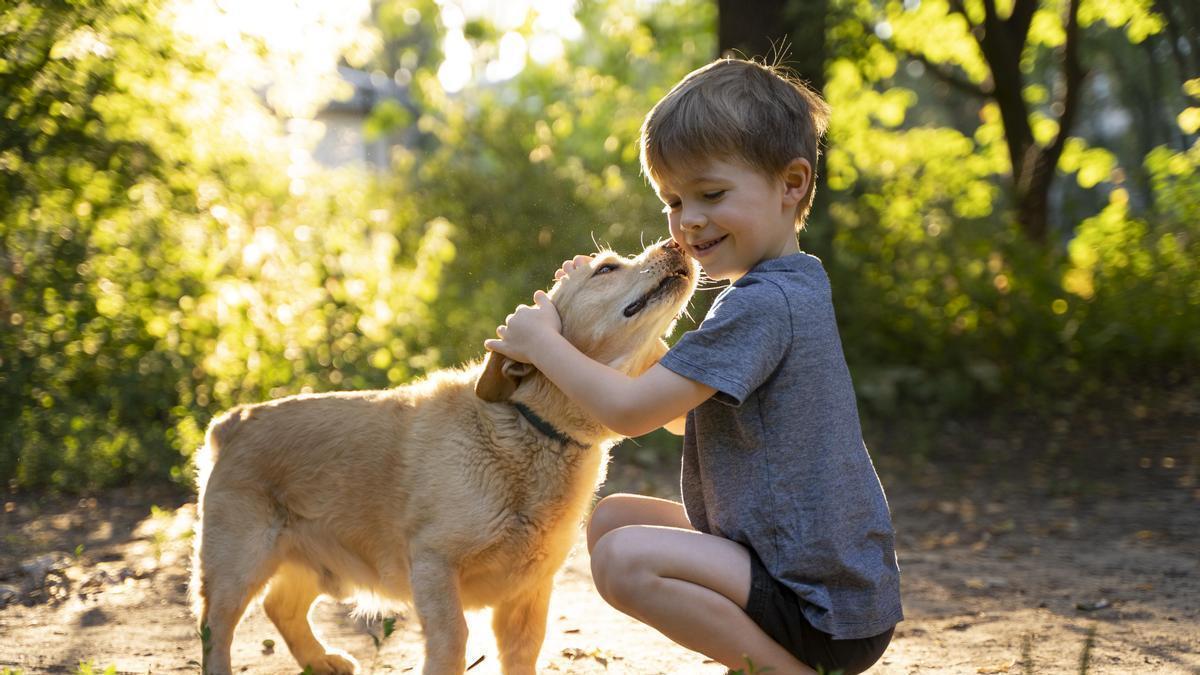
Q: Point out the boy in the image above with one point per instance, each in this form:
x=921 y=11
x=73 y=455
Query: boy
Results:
x=782 y=551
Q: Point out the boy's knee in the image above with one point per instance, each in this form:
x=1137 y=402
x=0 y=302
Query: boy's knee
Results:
x=619 y=568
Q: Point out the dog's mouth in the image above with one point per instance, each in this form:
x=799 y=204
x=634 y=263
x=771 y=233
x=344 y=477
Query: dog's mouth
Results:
x=676 y=279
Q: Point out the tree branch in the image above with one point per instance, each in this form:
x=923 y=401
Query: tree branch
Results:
x=1074 y=75
x=940 y=71
x=989 y=11
x=1021 y=18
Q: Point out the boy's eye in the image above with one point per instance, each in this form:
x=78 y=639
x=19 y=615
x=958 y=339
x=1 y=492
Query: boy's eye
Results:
x=716 y=194
x=605 y=269
x=670 y=206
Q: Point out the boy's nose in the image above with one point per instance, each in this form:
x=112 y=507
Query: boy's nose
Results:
x=691 y=220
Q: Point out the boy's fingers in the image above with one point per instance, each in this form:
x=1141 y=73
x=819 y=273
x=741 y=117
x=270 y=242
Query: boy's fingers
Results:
x=571 y=265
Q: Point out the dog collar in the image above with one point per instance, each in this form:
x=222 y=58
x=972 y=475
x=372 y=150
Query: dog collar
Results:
x=544 y=426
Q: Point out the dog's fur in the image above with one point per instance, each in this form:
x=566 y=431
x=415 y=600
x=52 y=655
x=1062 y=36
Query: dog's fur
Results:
x=439 y=493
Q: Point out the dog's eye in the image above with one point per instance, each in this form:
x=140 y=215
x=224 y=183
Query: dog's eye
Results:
x=605 y=269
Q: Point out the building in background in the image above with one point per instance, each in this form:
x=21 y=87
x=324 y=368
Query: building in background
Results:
x=346 y=141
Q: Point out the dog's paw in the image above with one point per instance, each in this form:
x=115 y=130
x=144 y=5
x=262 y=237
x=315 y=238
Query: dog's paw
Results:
x=335 y=662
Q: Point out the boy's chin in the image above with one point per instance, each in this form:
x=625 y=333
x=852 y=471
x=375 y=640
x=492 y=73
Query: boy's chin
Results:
x=720 y=274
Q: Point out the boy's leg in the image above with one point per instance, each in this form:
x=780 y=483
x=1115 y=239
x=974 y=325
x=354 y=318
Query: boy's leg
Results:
x=692 y=587
x=619 y=510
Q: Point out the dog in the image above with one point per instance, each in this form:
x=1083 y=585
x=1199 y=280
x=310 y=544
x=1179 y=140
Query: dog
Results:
x=463 y=490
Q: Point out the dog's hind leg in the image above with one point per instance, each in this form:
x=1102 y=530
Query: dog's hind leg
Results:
x=237 y=555
x=289 y=598
x=520 y=626
x=439 y=607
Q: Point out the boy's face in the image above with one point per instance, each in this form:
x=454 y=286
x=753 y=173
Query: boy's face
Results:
x=730 y=217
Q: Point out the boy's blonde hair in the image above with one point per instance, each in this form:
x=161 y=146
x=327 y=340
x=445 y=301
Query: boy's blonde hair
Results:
x=760 y=114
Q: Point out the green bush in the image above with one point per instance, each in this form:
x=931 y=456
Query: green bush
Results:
x=158 y=270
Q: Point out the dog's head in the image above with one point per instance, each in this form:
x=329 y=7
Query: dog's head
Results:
x=615 y=310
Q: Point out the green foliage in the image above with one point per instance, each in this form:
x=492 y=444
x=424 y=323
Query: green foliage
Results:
x=942 y=301
x=545 y=166
x=164 y=254
x=163 y=262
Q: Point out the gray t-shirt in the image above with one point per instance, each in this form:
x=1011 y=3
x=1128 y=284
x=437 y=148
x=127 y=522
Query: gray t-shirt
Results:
x=775 y=460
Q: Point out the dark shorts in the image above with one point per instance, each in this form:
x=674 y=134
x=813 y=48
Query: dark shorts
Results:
x=777 y=610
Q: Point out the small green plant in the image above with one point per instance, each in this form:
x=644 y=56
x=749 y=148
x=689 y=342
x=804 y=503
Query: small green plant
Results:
x=1085 y=659
x=205 y=635
x=88 y=668
x=1027 y=654
x=750 y=668
x=387 y=628
x=162 y=521
x=10 y=671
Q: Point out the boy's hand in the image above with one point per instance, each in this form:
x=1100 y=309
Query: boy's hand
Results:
x=571 y=265
x=527 y=328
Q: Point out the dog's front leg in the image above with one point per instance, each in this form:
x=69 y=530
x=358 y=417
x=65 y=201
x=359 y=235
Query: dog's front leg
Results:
x=520 y=626
x=439 y=608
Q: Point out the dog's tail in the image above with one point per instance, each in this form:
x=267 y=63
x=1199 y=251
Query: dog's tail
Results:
x=221 y=432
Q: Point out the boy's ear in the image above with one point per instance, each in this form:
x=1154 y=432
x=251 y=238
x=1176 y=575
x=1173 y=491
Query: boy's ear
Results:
x=797 y=179
x=500 y=377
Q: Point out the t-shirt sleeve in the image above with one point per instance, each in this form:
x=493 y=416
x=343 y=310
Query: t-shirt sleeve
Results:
x=739 y=344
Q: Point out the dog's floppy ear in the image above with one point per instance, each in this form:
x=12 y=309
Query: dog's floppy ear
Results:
x=500 y=377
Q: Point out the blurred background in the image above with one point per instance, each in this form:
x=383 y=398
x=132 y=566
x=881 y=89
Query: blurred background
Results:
x=209 y=202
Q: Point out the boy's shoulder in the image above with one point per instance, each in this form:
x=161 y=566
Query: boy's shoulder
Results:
x=793 y=281
x=794 y=268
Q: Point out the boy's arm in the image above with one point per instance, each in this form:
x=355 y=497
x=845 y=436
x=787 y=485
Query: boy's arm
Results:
x=630 y=406
x=677 y=426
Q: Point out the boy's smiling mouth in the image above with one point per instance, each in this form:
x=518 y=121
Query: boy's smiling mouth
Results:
x=703 y=247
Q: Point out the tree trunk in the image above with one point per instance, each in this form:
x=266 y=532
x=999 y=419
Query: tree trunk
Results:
x=1002 y=40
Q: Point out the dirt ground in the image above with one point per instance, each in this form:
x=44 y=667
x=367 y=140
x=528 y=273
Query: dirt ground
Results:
x=1084 y=558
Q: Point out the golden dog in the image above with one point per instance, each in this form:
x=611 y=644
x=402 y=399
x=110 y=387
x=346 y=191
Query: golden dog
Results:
x=463 y=490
